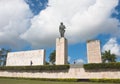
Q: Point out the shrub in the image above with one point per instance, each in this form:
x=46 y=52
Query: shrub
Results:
x=102 y=66
x=46 y=67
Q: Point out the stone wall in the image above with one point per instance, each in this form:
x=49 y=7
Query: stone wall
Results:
x=75 y=71
x=26 y=58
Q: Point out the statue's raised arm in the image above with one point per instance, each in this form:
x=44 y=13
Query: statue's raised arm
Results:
x=62 y=29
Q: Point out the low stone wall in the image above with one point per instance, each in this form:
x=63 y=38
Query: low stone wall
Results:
x=75 y=71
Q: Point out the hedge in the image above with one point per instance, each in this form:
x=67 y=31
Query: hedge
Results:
x=46 y=67
x=102 y=66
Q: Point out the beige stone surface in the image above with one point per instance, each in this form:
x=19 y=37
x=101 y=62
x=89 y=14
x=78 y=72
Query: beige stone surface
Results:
x=73 y=72
x=61 y=51
x=24 y=58
x=93 y=51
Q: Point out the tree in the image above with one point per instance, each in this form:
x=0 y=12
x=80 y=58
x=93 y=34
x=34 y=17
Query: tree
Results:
x=3 y=56
x=46 y=63
x=108 y=57
x=52 y=57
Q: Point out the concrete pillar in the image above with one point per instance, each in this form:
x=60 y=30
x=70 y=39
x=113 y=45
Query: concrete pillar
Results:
x=61 y=51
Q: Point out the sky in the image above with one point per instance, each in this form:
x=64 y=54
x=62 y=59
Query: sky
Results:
x=34 y=24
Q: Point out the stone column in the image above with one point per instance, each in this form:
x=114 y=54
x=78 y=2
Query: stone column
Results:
x=61 y=51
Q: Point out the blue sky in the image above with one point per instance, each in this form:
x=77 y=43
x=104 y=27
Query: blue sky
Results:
x=34 y=24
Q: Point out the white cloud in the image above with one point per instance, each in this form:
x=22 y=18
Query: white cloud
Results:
x=113 y=46
x=14 y=20
x=79 y=61
x=69 y=58
x=84 y=19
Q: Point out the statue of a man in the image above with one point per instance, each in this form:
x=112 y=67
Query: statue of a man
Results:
x=62 y=29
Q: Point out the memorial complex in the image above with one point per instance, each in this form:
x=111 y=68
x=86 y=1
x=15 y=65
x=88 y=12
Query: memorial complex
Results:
x=37 y=57
x=32 y=61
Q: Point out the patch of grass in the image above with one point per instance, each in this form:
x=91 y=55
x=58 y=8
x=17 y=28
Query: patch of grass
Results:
x=106 y=80
x=23 y=81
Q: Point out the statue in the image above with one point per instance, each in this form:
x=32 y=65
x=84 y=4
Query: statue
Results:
x=62 y=29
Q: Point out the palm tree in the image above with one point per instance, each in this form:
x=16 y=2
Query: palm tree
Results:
x=108 y=57
x=3 y=56
x=52 y=57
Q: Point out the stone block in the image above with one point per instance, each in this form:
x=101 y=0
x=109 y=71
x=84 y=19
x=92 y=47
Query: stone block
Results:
x=26 y=58
x=93 y=51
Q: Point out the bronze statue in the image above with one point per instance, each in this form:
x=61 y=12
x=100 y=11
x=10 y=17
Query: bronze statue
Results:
x=62 y=29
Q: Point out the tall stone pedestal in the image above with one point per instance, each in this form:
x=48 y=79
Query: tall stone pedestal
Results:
x=61 y=51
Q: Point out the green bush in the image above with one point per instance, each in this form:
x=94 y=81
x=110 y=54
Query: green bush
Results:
x=40 y=68
x=102 y=66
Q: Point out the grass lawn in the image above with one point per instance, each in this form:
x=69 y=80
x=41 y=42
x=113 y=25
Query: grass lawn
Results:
x=23 y=81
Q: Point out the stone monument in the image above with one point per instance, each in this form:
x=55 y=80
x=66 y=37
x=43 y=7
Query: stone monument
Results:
x=61 y=47
x=26 y=58
x=93 y=51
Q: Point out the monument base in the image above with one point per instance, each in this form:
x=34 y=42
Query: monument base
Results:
x=61 y=51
